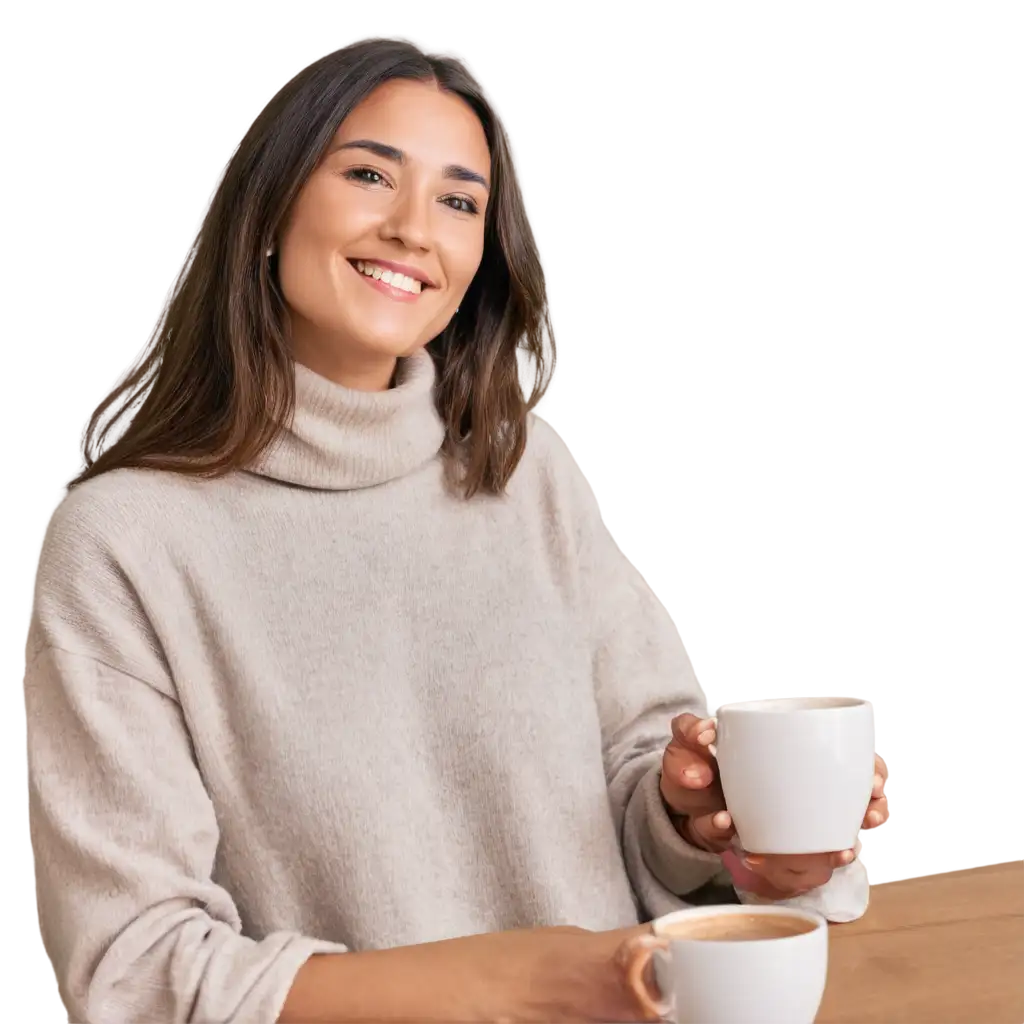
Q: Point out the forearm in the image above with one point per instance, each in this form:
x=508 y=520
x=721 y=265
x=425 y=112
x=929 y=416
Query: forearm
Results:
x=429 y=982
x=530 y=975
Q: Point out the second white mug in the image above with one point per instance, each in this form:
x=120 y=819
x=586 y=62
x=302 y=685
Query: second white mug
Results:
x=731 y=965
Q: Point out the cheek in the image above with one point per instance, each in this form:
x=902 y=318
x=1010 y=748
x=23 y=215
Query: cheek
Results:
x=329 y=216
x=463 y=254
x=325 y=223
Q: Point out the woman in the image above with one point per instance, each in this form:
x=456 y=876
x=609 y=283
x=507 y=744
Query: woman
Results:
x=342 y=702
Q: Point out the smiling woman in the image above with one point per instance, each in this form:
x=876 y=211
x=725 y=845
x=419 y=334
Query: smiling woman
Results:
x=342 y=702
x=378 y=155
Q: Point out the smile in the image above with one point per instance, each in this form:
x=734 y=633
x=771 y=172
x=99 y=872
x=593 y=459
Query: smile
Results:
x=391 y=282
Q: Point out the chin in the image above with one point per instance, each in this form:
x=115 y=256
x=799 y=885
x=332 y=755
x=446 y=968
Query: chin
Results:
x=391 y=347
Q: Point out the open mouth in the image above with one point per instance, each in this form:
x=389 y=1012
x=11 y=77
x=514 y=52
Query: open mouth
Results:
x=390 y=281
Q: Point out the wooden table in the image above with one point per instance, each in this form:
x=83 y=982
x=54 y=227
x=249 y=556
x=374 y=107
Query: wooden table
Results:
x=945 y=949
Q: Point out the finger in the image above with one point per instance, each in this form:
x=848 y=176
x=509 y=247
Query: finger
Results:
x=843 y=858
x=679 y=793
x=705 y=732
x=878 y=813
x=716 y=829
x=878 y=789
x=688 y=768
x=881 y=768
x=681 y=726
x=688 y=781
x=693 y=732
x=796 y=865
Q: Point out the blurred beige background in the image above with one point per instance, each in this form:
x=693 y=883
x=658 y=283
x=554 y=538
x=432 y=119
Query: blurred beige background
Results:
x=783 y=246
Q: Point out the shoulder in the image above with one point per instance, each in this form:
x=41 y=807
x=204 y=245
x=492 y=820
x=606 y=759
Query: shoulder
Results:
x=550 y=473
x=97 y=549
x=109 y=512
x=548 y=456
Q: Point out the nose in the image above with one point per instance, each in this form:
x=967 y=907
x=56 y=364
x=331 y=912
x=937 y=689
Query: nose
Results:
x=408 y=219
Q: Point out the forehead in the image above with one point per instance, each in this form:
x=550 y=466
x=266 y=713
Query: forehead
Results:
x=421 y=119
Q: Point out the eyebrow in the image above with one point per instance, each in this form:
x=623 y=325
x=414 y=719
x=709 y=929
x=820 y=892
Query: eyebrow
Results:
x=454 y=171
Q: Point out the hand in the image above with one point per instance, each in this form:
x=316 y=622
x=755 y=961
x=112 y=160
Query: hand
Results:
x=563 y=974
x=779 y=877
x=691 y=790
x=690 y=786
x=878 y=809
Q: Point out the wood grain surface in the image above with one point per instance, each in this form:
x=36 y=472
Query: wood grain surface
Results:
x=944 y=949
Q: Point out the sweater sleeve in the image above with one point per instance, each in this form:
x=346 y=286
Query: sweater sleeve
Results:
x=643 y=678
x=123 y=830
x=122 y=834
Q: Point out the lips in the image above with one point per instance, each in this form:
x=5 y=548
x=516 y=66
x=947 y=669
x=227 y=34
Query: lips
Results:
x=392 y=278
x=395 y=286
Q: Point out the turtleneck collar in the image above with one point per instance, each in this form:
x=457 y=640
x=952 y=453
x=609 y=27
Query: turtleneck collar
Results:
x=341 y=438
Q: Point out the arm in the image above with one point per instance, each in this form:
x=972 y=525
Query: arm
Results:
x=643 y=680
x=124 y=837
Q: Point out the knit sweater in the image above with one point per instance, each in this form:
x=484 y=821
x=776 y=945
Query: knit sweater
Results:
x=323 y=704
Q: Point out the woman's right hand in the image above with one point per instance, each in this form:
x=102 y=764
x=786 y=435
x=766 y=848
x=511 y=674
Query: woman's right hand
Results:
x=518 y=977
x=556 y=974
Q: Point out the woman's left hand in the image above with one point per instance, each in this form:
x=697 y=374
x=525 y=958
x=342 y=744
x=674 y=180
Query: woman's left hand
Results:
x=775 y=876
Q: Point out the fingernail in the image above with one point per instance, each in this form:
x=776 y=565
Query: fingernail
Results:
x=693 y=773
x=706 y=737
x=722 y=819
x=846 y=857
x=753 y=860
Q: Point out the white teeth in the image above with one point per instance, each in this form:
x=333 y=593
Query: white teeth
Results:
x=391 y=277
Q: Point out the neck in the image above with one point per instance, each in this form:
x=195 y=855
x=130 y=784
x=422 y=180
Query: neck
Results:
x=347 y=365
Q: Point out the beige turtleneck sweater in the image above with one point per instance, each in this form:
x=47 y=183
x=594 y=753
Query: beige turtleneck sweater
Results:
x=324 y=705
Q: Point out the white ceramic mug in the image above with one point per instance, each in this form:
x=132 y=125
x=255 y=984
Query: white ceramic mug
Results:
x=797 y=774
x=776 y=980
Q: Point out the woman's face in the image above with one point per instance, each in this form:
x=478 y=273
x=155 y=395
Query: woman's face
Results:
x=401 y=191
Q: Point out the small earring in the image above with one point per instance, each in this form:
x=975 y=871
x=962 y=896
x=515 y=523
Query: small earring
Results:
x=270 y=252
x=457 y=309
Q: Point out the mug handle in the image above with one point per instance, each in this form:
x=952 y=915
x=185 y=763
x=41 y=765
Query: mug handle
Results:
x=637 y=952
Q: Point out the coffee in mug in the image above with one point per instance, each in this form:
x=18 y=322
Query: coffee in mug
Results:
x=731 y=965
x=736 y=927
x=797 y=774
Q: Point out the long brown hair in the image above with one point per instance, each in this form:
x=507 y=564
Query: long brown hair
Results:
x=216 y=381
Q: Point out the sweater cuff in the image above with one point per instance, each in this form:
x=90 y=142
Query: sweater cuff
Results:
x=678 y=865
x=265 y=1001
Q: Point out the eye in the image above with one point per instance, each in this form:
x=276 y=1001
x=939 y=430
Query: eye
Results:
x=365 y=176
x=461 y=204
